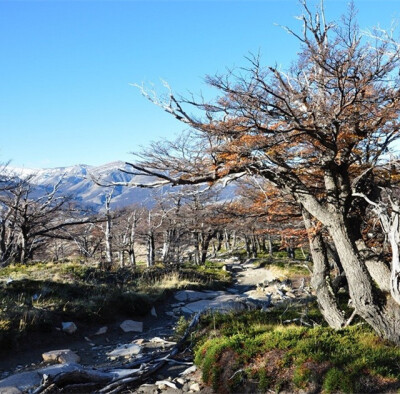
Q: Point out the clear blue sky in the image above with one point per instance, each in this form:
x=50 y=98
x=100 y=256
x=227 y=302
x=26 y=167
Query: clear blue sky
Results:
x=66 y=67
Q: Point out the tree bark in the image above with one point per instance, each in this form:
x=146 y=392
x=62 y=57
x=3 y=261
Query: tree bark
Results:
x=320 y=280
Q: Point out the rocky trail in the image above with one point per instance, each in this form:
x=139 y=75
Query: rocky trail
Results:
x=142 y=351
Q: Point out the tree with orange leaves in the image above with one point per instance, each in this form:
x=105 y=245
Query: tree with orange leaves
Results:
x=318 y=132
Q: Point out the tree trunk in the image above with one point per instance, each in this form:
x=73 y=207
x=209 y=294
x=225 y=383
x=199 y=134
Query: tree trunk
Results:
x=362 y=294
x=108 y=234
x=132 y=258
x=320 y=280
x=150 y=249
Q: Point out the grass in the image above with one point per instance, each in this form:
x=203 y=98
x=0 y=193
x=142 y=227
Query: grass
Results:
x=41 y=295
x=271 y=356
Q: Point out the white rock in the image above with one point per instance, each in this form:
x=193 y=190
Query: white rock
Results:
x=62 y=356
x=125 y=351
x=162 y=341
x=101 y=330
x=69 y=327
x=153 y=312
x=161 y=383
x=180 y=381
x=189 y=370
x=194 y=387
x=131 y=325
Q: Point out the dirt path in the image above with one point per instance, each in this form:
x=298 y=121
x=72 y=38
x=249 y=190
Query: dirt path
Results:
x=93 y=349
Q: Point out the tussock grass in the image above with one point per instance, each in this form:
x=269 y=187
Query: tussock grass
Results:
x=38 y=296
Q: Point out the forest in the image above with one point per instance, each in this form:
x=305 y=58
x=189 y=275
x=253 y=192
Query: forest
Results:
x=310 y=154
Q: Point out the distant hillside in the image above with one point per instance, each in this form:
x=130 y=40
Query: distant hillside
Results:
x=77 y=183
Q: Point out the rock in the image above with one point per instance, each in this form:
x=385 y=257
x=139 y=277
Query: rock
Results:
x=180 y=381
x=194 y=387
x=223 y=304
x=153 y=312
x=101 y=330
x=191 y=295
x=68 y=358
x=189 y=370
x=165 y=383
x=62 y=356
x=69 y=327
x=171 y=314
x=10 y=390
x=162 y=341
x=131 y=325
x=125 y=351
x=138 y=341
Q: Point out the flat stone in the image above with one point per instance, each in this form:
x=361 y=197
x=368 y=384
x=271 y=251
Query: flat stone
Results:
x=125 y=351
x=225 y=303
x=61 y=356
x=191 y=295
x=132 y=326
x=69 y=327
x=101 y=330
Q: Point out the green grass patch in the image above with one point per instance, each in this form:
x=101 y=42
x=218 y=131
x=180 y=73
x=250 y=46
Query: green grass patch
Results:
x=293 y=358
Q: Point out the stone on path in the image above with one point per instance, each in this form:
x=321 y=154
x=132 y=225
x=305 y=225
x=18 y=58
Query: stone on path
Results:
x=62 y=356
x=225 y=303
x=125 y=351
x=191 y=295
x=194 y=387
x=69 y=327
x=132 y=326
x=161 y=383
x=101 y=330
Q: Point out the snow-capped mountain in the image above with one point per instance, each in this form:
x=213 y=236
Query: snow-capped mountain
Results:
x=76 y=182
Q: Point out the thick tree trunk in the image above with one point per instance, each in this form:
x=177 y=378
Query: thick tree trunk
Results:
x=361 y=290
x=320 y=280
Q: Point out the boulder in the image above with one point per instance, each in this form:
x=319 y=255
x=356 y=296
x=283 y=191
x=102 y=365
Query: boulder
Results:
x=126 y=351
x=69 y=327
x=62 y=356
x=132 y=326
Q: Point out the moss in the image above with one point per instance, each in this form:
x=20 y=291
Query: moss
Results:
x=296 y=357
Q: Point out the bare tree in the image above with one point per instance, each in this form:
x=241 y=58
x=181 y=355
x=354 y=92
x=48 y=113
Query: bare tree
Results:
x=317 y=132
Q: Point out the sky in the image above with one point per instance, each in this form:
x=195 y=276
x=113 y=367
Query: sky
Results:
x=67 y=67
